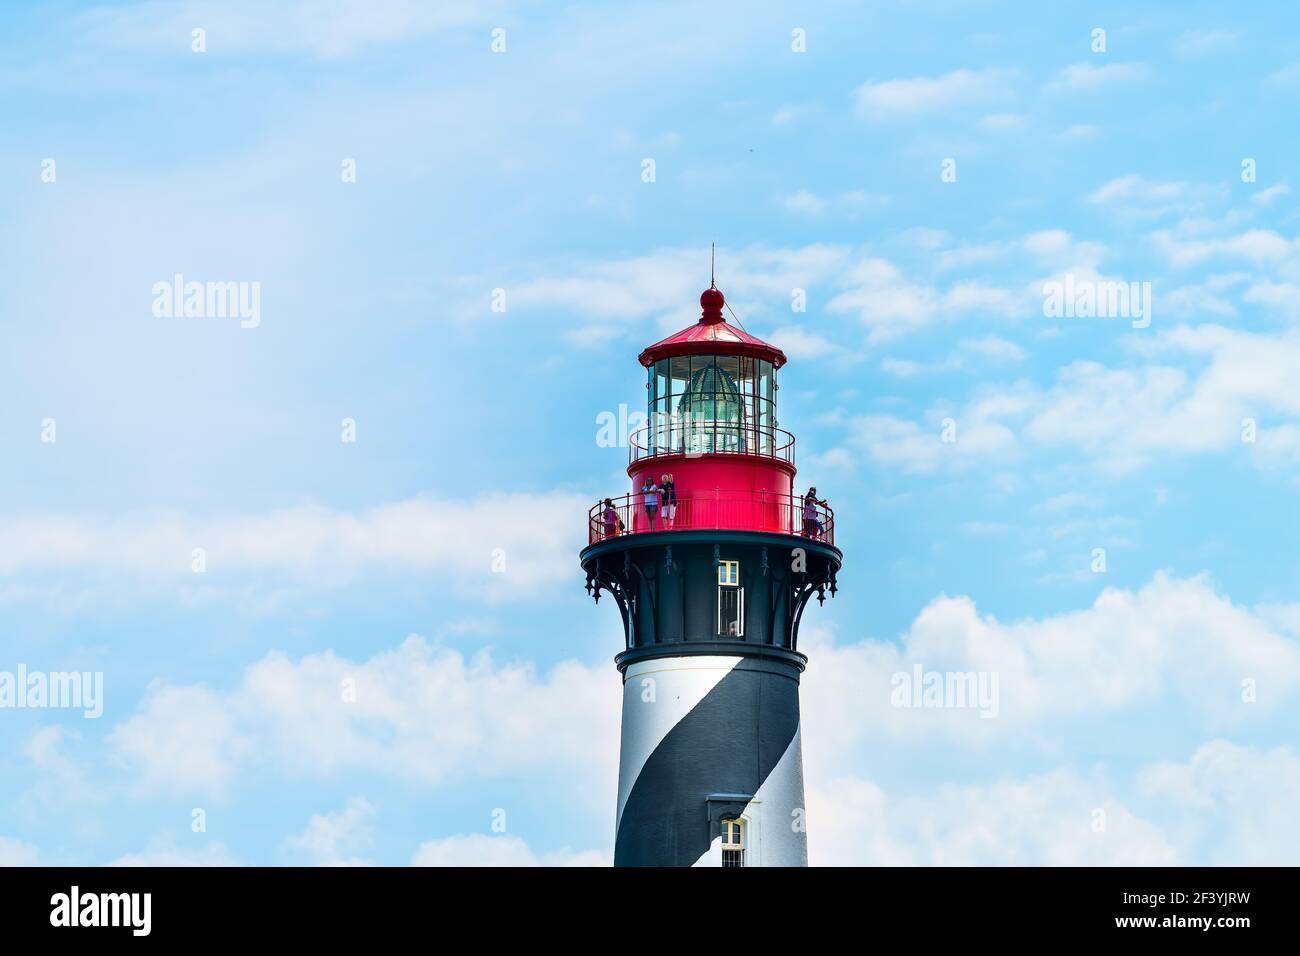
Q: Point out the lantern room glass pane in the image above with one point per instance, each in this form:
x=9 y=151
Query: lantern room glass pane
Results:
x=712 y=408
x=660 y=408
x=765 y=412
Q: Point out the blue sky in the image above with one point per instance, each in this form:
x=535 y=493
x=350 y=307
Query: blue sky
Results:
x=478 y=690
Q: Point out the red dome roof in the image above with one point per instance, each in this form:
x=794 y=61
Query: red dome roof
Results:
x=712 y=336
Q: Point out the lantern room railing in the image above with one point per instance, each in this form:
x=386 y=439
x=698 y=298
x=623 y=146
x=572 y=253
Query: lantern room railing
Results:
x=695 y=438
x=731 y=510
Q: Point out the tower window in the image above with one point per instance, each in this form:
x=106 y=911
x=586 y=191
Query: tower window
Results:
x=729 y=572
x=731 y=612
x=733 y=843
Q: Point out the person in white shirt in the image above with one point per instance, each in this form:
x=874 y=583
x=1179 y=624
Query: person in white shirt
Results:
x=650 y=498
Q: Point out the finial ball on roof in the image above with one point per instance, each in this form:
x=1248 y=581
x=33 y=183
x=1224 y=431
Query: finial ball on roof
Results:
x=712 y=299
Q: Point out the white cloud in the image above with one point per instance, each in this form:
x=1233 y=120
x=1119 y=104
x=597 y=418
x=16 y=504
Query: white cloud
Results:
x=1265 y=197
x=798 y=343
x=337 y=839
x=1234 y=804
x=16 y=852
x=1135 y=188
x=1203 y=42
x=970 y=355
x=1289 y=75
x=1042 y=820
x=316 y=546
x=1121 y=417
x=337 y=28
x=164 y=850
x=1079 y=131
x=60 y=779
x=835 y=459
x=805 y=203
x=1227 y=805
x=963 y=256
x=891 y=306
x=606 y=300
x=886 y=302
x=852 y=202
x=419 y=712
x=1210 y=297
x=994 y=349
x=1067 y=501
x=1058 y=249
x=1086 y=77
x=1002 y=121
x=858 y=199
x=477 y=849
x=901 y=368
x=896 y=442
x=786 y=114
x=1259 y=246
x=610 y=299
x=182 y=738
x=1175 y=642
x=895 y=99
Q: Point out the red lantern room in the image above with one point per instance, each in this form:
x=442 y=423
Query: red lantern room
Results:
x=713 y=430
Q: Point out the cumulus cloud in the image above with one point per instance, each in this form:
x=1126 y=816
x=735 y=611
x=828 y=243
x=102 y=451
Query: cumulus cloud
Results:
x=182 y=738
x=16 y=852
x=897 y=99
x=338 y=839
x=804 y=202
x=163 y=850
x=1085 y=77
x=1002 y=121
x=1174 y=641
x=478 y=849
x=1119 y=417
x=418 y=712
x=1043 y=820
x=1133 y=187
x=1124 y=416
x=605 y=300
x=1266 y=196
x=891 y=305
x=1202 y=42
x=609 y=299
x=312 y=546
x=1226 y=805
x=1260 y=247
x=1231 y=804
x=339 y=28
x=799 y=343
x=900 y=443
x=854 y=201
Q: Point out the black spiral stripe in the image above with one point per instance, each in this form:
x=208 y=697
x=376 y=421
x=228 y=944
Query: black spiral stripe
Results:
x=728 y=743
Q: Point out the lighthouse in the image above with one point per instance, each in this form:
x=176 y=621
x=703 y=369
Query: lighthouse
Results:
x=711 y=559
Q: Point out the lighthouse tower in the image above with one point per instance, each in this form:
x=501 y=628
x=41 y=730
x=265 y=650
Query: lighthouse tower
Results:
x=710 y=593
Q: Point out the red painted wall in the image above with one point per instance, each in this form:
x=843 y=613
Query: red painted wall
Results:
x=743 y=492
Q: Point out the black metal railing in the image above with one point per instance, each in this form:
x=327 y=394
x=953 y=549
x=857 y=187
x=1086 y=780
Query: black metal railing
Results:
x=696 y=437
